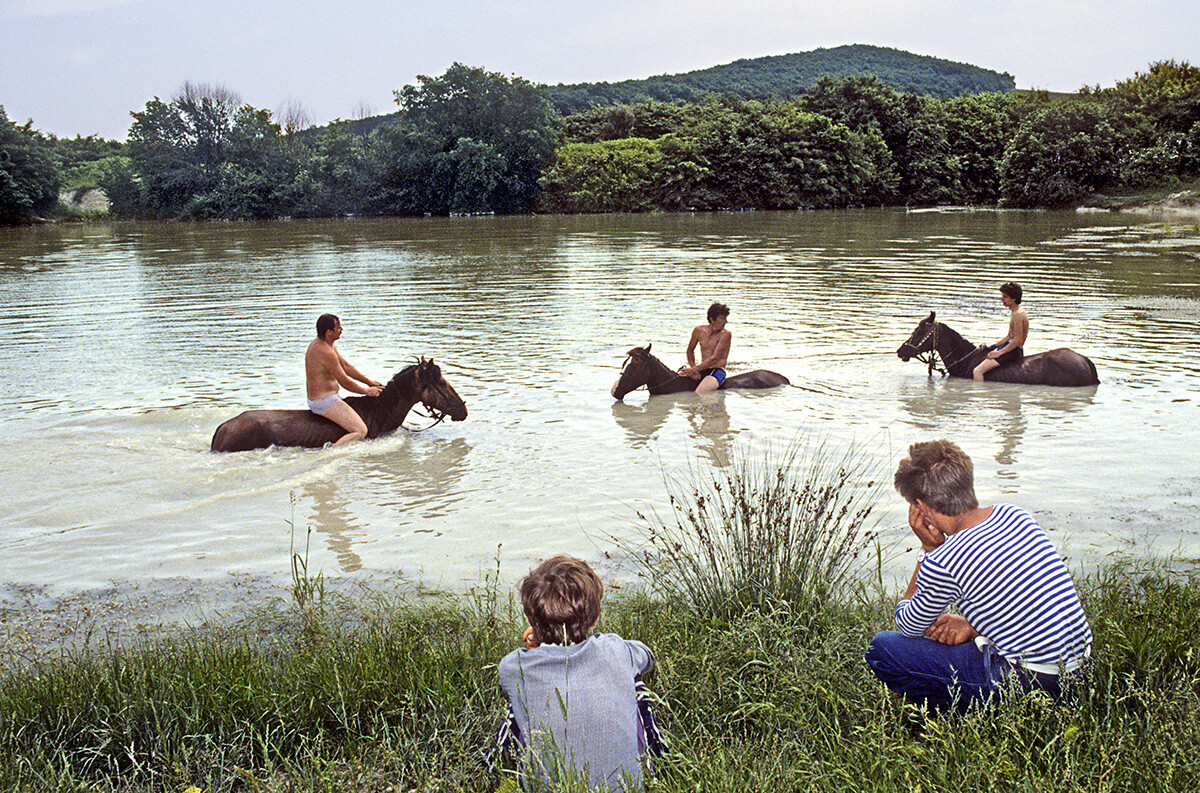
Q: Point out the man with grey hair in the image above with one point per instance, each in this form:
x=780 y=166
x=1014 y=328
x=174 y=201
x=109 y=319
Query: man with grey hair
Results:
x=1020 y=617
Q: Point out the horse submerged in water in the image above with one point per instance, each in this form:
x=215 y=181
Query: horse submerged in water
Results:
x=1060 y=367
x=421 y=382
x=643 y=369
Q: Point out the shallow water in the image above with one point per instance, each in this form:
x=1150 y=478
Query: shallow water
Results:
x=129 y=343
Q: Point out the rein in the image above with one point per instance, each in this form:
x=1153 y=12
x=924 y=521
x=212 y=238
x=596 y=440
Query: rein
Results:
x=434 y=413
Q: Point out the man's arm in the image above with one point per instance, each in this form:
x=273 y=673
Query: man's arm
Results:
x=691 y=348
x=350 y=371
x=720 y=352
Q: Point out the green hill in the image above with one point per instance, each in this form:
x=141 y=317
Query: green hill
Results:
x=779 y=76
x=772 y=76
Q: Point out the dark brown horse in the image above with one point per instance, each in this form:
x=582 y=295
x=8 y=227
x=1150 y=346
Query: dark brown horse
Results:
x=422 y=382
x=643 y=369
x=960 y=357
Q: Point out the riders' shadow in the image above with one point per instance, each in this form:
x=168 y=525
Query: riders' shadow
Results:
x=705 y=414
x=331 y=518
x=956 y=408
x=421 y=481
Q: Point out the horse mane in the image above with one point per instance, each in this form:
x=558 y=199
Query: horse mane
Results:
x=960 y=349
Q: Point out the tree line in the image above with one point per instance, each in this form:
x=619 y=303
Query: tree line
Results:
x=472 y=141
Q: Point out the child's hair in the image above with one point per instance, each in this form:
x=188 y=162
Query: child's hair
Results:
x=561 y=598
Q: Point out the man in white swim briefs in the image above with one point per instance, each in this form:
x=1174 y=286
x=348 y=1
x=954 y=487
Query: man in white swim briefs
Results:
x=326 y=369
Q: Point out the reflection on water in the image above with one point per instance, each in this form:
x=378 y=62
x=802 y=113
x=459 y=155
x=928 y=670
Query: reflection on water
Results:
x=705 y=415
x=128 y=343
x=1001 y=412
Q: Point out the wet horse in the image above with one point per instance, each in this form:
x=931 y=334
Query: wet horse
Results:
x=1061 y=367
x=422 y=382
x=643 y=369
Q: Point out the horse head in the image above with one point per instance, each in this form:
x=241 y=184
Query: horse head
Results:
x=922 y=339
x=436 y=394
x=635 y=372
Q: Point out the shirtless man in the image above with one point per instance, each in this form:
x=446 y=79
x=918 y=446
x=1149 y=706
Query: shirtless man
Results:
x=713 y=341
x=1008 y=348
x=326 y=369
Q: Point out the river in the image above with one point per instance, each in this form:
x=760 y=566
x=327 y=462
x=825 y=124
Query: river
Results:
x=128 y=343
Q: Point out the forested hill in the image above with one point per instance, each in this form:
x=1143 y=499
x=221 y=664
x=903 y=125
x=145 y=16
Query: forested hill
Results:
x=780 y=76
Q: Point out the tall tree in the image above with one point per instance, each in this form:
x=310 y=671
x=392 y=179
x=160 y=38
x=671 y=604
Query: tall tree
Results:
x=204 y=154
x=29 y=174
x=490 y=135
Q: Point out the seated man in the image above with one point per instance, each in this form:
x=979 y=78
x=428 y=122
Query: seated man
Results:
x=1010 y=348
x=713 y=340
x=325 y=369
x=1021 y=620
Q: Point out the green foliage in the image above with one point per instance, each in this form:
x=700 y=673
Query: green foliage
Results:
x=205 y=155
x=29 y=172
x=776 y=156
x=485 y=138
x=713 y=155
x=783 y=76
x=609 y=176
x=768 y=531
x=398 y=691
x=1060 y=154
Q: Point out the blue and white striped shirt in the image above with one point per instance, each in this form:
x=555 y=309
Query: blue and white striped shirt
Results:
x=1007 y=580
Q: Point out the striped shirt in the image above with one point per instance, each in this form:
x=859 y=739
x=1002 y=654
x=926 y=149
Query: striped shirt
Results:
x=1005 y=577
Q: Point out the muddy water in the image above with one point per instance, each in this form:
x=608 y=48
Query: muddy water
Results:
x=128 y=343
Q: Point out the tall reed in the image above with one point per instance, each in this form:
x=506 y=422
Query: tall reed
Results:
x=773 y=527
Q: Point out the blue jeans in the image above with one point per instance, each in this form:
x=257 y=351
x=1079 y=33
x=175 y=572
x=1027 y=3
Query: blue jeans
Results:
x=942 y=675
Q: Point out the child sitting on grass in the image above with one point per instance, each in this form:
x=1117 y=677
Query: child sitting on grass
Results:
x=577 y=711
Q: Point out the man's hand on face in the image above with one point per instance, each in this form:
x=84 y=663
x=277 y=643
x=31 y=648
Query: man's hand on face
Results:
x=929 y=535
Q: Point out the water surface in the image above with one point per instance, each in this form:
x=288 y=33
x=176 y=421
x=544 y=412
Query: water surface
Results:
x=129 y=343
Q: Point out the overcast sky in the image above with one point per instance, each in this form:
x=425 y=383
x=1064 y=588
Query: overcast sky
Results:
x=81 y=66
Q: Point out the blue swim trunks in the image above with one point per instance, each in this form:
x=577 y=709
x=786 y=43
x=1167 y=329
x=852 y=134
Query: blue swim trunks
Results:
x=719 y=374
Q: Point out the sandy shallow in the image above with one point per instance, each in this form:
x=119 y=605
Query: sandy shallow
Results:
x=36 y=624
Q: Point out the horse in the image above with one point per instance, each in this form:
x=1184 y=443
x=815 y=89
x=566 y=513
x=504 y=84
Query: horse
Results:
x=421 y=382
x=643 y=369
x=1060 y=367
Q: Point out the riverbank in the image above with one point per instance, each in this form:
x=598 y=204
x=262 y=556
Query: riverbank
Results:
x=396 y=690
x=759 y=591
x=1171 y=203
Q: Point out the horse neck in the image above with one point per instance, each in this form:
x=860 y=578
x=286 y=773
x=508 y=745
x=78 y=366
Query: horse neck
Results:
x=954 y=350
x=659 y=371
x=658 y=374
x=393 y=403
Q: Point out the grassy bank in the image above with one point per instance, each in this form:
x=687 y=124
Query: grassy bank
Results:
x=397 y=691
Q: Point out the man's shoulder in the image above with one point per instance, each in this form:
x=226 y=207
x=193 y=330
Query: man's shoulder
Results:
x=319 y=348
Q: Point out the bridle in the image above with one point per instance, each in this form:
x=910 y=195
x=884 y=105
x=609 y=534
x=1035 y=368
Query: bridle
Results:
x=929 y=358
x=932 y=357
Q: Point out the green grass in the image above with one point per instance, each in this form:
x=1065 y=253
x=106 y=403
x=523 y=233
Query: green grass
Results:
x=398 y=691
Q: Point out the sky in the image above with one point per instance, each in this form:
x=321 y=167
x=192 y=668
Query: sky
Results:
x=80 y=67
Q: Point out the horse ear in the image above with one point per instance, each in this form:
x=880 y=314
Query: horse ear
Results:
x=931 y=316
x=647 y=347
